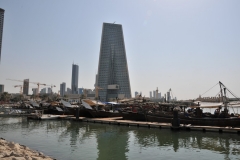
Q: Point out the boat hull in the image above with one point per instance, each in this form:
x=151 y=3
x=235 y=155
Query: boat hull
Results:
x=222 y=122
x=43 y=117
x=103 y=114
x=133 y=116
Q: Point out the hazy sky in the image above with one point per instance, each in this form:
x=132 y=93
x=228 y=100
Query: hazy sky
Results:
x=184 y=45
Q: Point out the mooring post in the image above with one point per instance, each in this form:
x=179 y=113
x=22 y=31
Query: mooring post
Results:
x=175 y=120
x=77 y=114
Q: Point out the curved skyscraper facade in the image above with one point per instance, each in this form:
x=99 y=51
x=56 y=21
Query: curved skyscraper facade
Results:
x=1 y=28
x=113 y=77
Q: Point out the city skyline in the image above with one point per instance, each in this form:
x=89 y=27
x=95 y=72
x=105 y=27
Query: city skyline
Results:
x=184 y=45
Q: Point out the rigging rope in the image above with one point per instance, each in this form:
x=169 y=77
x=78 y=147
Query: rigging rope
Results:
x=230 y=104
x=217 y=94
x=209 y=89
x=233 y=94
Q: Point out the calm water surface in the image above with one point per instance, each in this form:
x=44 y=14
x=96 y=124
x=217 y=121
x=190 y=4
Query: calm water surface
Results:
x=69 y=140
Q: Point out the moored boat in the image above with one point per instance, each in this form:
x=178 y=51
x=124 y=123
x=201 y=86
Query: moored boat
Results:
x=38 y=115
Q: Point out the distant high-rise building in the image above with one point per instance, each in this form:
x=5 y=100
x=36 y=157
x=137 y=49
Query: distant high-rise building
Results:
x=74 y=86
x=113 y=74
x=150 y=94
x=154 y=94
x=49 y=90
x=136 y=93
x=168 y=96
x=80 y=90
x=62 y=89
x=159 y=95
x=1 y=88
x=43 y=91
x=69 y=91
x=1 y=28
x=35 y=91
x=25 y=86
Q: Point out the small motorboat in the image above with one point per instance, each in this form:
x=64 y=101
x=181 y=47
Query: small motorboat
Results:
x=49 y=116
x=38 y=115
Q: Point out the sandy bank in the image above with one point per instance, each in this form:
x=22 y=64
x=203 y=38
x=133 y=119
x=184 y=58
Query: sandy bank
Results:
x=15 y=151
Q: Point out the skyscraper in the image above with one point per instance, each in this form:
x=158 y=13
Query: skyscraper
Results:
x=168 y=96
x=49 y=90
x=136 y=93
x=43 y=91
x=159 y=95
x=80 y=90
x=1 y=28
x=74 y=86
x=1 y=88
x=62 y=89
x=35 y=91
x=25 y=86
x=69 y=91
x=113 y=76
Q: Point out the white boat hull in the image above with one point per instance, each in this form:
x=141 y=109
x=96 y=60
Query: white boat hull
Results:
x=47 y=116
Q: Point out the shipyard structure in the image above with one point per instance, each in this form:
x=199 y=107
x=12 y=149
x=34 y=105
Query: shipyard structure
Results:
x=112 y=80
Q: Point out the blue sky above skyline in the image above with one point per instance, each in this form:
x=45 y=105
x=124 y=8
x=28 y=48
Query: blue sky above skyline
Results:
x=184 y=45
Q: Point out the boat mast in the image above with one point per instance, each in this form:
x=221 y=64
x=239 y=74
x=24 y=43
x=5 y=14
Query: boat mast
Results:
x=220 y=83
x=225 y=100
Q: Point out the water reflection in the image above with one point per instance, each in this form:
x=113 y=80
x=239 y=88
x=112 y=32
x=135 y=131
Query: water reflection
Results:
x=112 y=143
x=227 y=144
x=103 y=141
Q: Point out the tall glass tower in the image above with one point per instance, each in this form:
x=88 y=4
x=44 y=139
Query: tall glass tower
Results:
x=74 y=79
x=62 y=89
x=113 y=77
x=1 y=28
x=25 y=86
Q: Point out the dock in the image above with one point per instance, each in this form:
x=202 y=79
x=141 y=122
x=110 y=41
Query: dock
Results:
x=120 y=121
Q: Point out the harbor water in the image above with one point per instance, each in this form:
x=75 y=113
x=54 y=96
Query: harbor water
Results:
x=71 y=140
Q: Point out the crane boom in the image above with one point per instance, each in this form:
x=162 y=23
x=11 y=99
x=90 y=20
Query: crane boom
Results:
x=51 y=87
x=20 y=88
x=96 y=91
x=37 y=83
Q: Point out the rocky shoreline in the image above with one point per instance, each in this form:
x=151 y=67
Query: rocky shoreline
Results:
x=15 y=151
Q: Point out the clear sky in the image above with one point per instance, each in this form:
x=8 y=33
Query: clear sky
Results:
x=185 y=45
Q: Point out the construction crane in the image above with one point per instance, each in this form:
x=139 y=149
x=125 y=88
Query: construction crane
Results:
x=20 y=88
x=96 y=91
x=51 y=87
x=37 y=83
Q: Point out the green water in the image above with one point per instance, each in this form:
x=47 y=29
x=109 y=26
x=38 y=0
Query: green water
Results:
x=70 y=140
